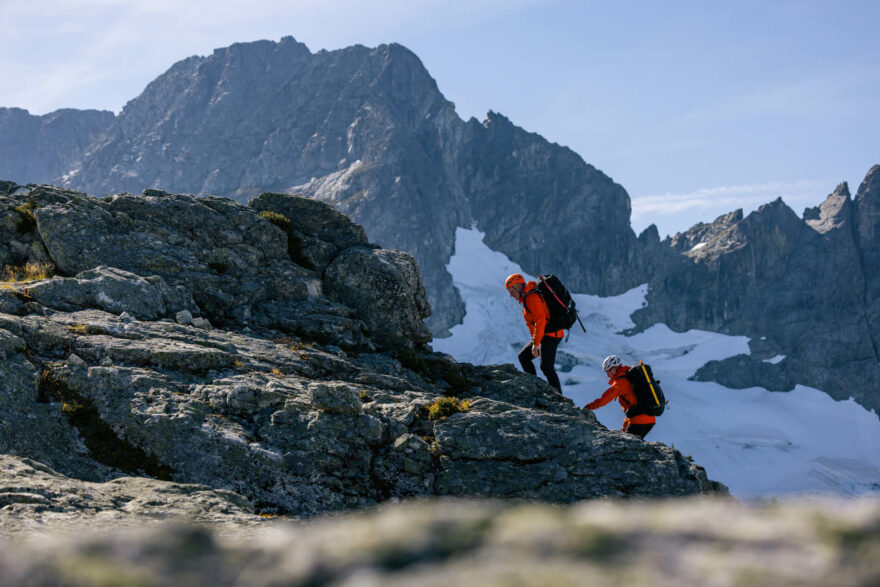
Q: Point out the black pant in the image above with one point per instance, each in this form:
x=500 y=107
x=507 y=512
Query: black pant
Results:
x=548 y=357
x=639 y=430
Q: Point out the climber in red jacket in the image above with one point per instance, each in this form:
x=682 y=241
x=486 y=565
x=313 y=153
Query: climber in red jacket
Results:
x=622 y=390
x=536 y=314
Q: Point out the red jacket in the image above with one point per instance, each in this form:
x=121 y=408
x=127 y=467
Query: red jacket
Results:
x=622 y=389
x=536 y=314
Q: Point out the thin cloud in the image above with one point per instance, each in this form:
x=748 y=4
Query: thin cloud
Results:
x=676 y=212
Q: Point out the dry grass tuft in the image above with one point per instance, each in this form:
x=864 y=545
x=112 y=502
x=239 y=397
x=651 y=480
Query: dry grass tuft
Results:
x=27 y=272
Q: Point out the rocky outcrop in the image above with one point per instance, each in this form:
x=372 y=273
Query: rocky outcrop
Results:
x=212 y=257
x=44 y=148
x=185 y=341
x=682 y=542
x=800 y=287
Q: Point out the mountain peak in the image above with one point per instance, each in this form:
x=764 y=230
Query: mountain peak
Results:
x=832 y=213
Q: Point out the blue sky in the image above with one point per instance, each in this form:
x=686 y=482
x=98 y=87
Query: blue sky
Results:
x=696 y=108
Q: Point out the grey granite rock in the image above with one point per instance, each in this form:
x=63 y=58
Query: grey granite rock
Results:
x=298 y=429
x=35 y=499
x=328 y=401
x=386 y=290
x=159 y=254
x=111 y=290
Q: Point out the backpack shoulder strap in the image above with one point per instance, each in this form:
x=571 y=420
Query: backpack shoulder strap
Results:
x=528 y=293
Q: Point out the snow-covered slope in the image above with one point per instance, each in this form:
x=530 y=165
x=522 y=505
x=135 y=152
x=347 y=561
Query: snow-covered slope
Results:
x=759 y=443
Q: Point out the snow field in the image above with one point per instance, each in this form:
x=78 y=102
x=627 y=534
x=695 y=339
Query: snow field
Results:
x=759 y=443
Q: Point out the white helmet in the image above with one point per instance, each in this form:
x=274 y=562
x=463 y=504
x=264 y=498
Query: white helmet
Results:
x=610 y=363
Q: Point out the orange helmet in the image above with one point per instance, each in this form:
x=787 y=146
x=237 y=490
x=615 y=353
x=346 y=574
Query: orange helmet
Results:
x=514 y=279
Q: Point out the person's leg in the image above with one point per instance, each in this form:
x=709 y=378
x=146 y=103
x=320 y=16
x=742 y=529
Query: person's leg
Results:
x=548 y=357
x=640 y=430
x=526 y=358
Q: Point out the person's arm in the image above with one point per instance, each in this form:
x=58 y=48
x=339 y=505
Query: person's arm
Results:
x=539 y=315
x=610 y=393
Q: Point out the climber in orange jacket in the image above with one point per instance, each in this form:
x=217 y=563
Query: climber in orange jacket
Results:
x=536 y=314
x=622 y=389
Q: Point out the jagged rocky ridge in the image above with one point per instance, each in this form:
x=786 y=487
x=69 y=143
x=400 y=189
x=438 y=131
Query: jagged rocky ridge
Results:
x=803 y=288
x=198 y=341
x=368 y=131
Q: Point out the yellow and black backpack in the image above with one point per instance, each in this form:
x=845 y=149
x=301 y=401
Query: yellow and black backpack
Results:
x=649 y=397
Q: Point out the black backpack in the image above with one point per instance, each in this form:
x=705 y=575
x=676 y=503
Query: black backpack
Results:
x=649 y=396
x=563 y=310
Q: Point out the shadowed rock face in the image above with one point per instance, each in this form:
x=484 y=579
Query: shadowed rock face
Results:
x=439 y=543
x=184 y=342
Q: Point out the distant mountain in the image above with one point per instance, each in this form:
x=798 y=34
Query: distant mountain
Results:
x=44 y=148
x=805 y=288
x=368 y=131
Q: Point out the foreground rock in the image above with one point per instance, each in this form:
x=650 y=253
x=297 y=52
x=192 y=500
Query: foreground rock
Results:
x=36 y=499
x=685 y=542
x=299 y=429
x=280 y=358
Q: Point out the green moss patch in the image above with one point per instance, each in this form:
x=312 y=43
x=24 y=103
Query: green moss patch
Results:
x=294 y=242
x=28 y=222
x=444 y=407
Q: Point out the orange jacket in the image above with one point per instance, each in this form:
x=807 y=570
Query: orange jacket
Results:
x=536 y=314
x=622 y=389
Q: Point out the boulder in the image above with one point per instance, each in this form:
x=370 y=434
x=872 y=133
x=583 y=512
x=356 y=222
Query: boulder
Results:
x=386 y=290
x=317 y=229
x=112 y=290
